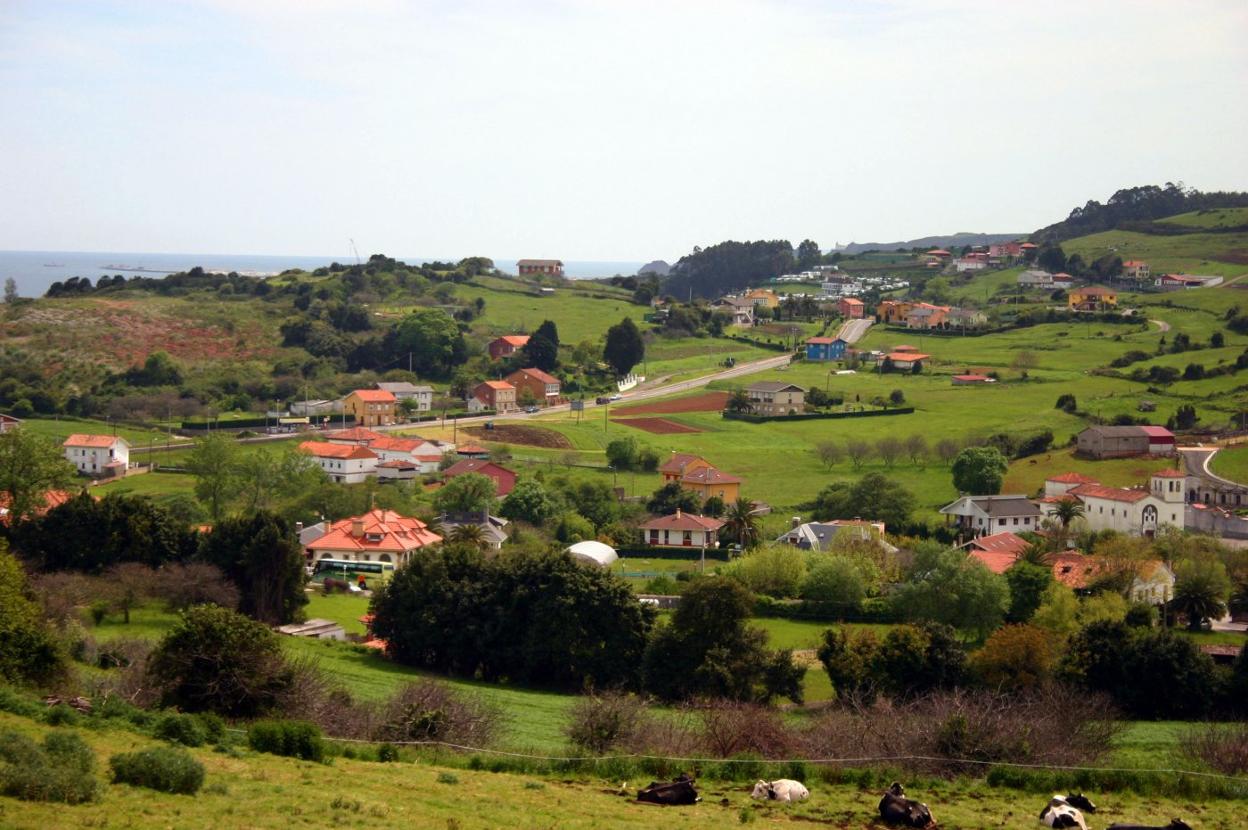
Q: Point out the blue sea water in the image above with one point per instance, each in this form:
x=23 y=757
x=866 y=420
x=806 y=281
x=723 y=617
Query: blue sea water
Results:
x=34 y=271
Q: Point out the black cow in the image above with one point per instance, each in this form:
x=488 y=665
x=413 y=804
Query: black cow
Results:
x=1175 y=824
x=895 y=808
x=680 y=791
x=1063 y=811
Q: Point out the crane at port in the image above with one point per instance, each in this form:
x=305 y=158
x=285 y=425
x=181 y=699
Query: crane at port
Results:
x=355 y=251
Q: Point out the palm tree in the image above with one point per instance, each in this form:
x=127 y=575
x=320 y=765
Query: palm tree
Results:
x=1036 y=554
x=468 y=534
x=1200 y=591
x=741 y=523
x=738 y=401
x=1067 y=510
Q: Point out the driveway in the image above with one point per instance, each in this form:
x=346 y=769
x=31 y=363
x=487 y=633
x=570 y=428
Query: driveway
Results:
x=853 y=330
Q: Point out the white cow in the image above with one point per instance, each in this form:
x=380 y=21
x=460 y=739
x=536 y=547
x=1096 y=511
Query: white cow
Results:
x=782 y=789
x=1062 y=811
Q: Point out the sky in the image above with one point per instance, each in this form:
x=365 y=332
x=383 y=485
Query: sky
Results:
x=596 y=130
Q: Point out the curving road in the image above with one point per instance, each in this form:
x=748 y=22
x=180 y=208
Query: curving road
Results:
x=853 y=330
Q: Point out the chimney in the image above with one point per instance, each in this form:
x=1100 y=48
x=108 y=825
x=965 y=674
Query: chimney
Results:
x=298 y=527
x=678 y=512
x=357 y=528
x=795 y=522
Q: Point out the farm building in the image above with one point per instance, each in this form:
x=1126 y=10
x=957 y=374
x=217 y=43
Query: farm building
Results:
x=1119 y=442
x=8 y=422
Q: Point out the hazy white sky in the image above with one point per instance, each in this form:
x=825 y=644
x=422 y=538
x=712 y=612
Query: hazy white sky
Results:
x=597 y=130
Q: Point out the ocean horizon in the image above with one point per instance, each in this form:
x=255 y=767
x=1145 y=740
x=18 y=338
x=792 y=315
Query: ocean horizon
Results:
x=35 y=271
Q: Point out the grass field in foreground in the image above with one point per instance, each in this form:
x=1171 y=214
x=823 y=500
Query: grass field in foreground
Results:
x=1232 y=463
x=253 y=790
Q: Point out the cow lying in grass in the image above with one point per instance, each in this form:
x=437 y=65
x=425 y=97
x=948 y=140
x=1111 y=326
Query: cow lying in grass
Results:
x=1175 y=824
x=680 y=791
x=1064 y=811
x=895 y=808
x=782 y=789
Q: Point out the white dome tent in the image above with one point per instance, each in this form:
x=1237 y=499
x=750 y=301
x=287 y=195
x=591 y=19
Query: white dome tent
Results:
x=594 y=553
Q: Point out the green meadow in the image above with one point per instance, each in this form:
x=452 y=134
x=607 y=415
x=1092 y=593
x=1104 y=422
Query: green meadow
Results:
x=1232 y=463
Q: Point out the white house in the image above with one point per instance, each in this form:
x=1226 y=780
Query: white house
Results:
x=1029 y=279
x=1135 y=511
x=681 y=530
x=98 y=455
x=983 y=515
x=343 y=463
x=416 y=451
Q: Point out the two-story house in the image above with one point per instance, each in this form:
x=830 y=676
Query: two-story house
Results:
x=1092 y=298
x=825 y=348
x=540 y=267
x=498 y=395
x=851 y=308
x=984 y=515
x=774 y=397
x=377 y=536
x=371 y=407
x=97 y=456
x=507 y=345
x=541 y=386
x=422 y=396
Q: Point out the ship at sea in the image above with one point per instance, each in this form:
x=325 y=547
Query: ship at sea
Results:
x=53 y=265
x=136 y=268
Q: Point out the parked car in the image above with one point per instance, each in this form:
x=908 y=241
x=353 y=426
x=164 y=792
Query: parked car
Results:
x=602 y=399
x=532 y=409
x=615 y=397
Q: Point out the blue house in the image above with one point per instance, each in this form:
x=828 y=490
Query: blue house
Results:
x=825 y=348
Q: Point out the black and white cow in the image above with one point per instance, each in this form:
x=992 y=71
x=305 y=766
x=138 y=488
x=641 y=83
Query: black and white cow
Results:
x=895 y=808
x=782 y=789
x=680 y=791
x=1064 y=811
x=1175 y=824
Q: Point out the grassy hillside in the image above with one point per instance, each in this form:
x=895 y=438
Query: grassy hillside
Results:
x=1232 y=463
x=1220 y=254
x=253 y=790
x=1217 y=218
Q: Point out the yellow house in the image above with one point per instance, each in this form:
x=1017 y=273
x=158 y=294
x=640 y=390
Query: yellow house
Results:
x=764 y=297
x=371 y=407
x=1092 y=298
x=708 y=481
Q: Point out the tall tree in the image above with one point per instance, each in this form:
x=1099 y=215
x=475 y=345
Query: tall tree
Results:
x=741 y=524
x=214 y=463
x=469 y=492
x=979 y=471
x=1201 y=589
x=266 y=478
x=30 y=466
x=624 y=348
x=434 y=341
x=549 y=331
x=540 y=353
x=808 y=254
x=261 y=554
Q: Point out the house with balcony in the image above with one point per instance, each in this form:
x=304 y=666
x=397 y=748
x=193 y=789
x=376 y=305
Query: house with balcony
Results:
x=541 y=386
x=377 y=536
x=97 y=456
x=774 y=397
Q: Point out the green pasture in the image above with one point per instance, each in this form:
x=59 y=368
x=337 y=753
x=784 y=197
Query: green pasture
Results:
x=1210 y=254
x=61 y=428
x=1232 y=463
x=1216 y=218
x=1027 y=475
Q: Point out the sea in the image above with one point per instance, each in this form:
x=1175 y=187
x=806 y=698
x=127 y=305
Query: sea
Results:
x=34 y=271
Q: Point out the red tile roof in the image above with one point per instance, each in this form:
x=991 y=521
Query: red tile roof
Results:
x=498 y=385
x=820 y=341
x=1157 y=432
x=1004 y=542
x=909 y=357
x=346 y=452
x=516 y=340
x=1093 y=291
x=708 y=476
x=851 y=301
x=536 y=374
x=995 y=561
x=51 y=499
x=353 y=434
x=1170 y=474
x=1073 y=569
x=677 y=462
x=94 y=441
x=1096 y=491
x=374 y=395
x=472 y=449
x=1133 y=263
x=381 y=530
x=1073 y=478
x=975 y=378
x=503 y=477
x=683 y=521
x=385 y=442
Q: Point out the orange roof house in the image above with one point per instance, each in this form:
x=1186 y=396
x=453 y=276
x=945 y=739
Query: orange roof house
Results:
x=708 y=481
x=681 y=530
x=344 y=452
x=680 y=463
x=498 y=395
x=371 y=407
x=377 y=536
x=541 y=386
x=506 y=345
x=354 y=435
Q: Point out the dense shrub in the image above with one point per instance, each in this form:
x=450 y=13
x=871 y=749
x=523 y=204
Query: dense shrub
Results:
x=164 y=768
x=1224 y=747
x=294 y=739
x=217 y=660
x=599 y=723
x=62 y=769
x=29 y=653
x=180 y=729
x=430 y=711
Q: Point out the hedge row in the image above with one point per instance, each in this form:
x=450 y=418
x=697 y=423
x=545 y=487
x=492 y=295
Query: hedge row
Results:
x=873 y=610
x=815 y=416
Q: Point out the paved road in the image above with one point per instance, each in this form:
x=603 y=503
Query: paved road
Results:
x=1196 y=463
x=853 y=330
x=1162 y=325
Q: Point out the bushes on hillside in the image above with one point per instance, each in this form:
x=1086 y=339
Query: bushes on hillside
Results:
x=217 y=660
x=910 y=660
x=29 y=653
x=62 y=769
x=293 y=739
x=163 y=768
